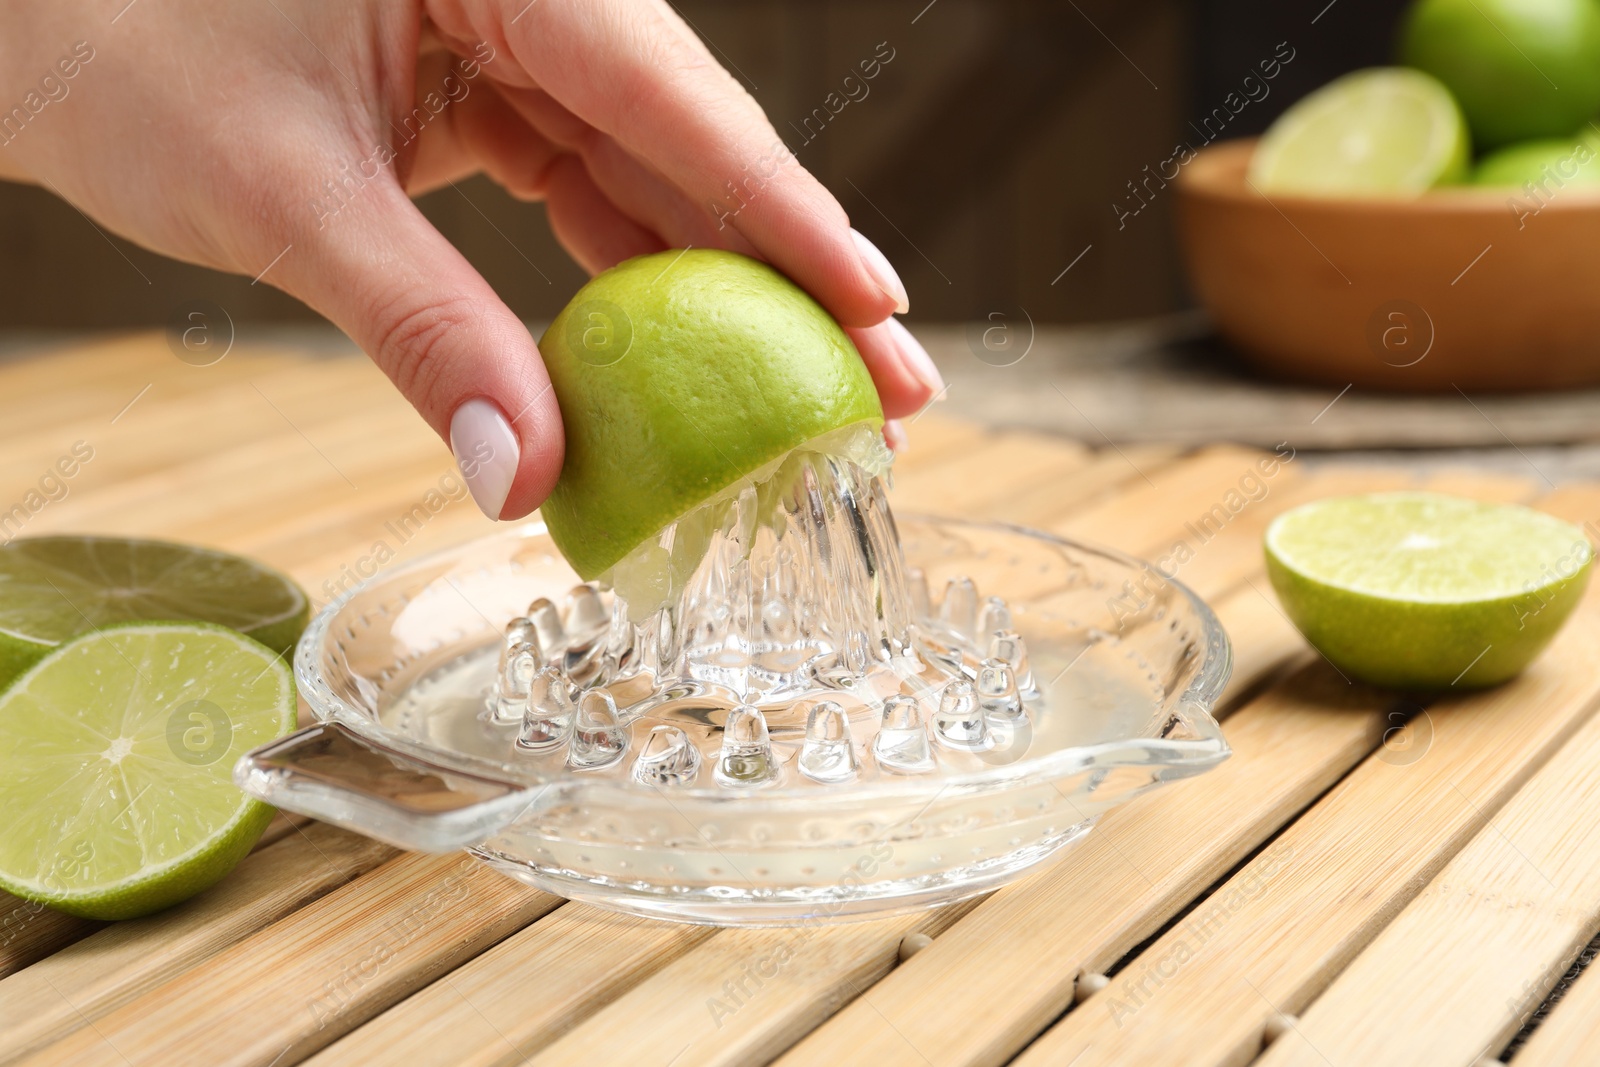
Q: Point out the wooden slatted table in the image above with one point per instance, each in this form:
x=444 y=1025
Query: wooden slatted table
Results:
x=1365 y=882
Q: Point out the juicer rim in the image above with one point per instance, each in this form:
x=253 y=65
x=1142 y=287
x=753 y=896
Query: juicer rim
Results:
x=1180 y=757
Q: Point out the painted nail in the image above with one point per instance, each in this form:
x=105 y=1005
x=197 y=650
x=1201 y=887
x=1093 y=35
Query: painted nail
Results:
x=877 y=265
x=487 y=452
x=894 y=435
x=915 y=357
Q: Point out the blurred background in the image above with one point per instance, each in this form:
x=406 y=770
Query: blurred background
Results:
x=993 y=149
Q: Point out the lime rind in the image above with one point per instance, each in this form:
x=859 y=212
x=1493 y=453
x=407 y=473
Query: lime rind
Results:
x=1382 y=132
x=120 y=747
x=1521 y=69
x=1426 y=591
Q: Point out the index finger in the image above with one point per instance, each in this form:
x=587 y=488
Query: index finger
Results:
x=633 y=70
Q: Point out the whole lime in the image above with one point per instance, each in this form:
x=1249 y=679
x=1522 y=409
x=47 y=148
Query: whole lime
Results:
x=1425 y=590
x=1548 y=164
x=678 y=374
x=1522 y=69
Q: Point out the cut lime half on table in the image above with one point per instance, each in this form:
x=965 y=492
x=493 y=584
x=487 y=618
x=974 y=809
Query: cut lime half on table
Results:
x=54 y=588
x=1383 y=132
x=1424 y=590
x=116 y=772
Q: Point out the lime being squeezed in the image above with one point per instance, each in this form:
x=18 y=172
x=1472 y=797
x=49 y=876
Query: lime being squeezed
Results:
x=722 y=498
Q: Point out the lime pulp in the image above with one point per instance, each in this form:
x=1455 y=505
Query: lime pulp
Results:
x=54 y=588
x=1381 y=132
x=116 y=771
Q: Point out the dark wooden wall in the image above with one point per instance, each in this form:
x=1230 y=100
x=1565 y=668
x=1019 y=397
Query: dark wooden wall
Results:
x=985 y=158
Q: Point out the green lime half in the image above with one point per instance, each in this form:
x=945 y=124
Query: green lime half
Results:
x=1520 y=69
x=1549 y=164
x=1382 y=132
x=55 y=588
x=678 y=374
x=1424 y=590
x=116 y=772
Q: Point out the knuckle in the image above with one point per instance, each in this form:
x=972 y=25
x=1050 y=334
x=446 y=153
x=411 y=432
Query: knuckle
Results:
x=413 y=342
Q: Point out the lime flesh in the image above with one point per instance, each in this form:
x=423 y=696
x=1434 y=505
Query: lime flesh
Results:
x=1521 y=69
x=678 y=374
x=1424 y=590
x=115 y=774
x=55 y=588
x=1383 y=132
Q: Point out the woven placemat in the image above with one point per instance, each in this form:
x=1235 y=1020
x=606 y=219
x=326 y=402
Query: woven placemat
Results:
x=1169 y=379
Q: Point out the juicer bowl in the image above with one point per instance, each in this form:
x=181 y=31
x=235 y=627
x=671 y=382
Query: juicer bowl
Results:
x=1126 y=666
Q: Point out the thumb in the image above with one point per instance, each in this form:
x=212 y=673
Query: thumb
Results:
x=379 y=270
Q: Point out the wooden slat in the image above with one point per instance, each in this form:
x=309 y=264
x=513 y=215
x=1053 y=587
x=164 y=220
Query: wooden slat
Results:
x=104 y=374
x=1181 y=494
x=1461 y=969
x=80 y=983
x=1219 y=542
x=1214 y=561
x=1570 y=1034
x=1037 y=505
x=233 y=410
x=744 y=995
x=1000 y=466
x=513 y=1000
x=1057 y=489
x=30 y=932
x=284 y=465
x=933 y=438
x=1487 y=485
x=1265 y=644
x=1219 y=561
x=294 y=986
x=1276 y=933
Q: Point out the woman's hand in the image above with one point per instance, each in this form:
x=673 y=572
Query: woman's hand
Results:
x=283 y=139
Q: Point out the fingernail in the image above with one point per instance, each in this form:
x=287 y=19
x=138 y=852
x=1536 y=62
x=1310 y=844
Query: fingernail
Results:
x=877 y=265
x=487 y=452
x=916 y=358
x=894 y=435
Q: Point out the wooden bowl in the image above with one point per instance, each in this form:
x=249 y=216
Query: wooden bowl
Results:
x=1449 y=290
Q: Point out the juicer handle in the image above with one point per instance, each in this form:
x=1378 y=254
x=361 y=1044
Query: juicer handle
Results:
x=333 y=773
